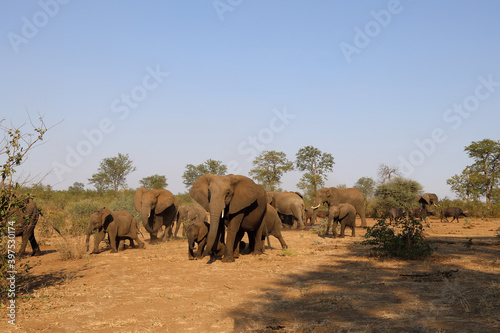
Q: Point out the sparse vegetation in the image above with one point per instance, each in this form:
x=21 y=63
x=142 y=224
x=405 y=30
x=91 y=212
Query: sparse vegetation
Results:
x=403 y=240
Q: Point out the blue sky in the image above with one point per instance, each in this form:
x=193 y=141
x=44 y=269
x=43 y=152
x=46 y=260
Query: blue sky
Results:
x=171 y=83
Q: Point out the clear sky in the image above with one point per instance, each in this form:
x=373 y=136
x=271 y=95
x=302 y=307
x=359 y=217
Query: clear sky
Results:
x=171 y=83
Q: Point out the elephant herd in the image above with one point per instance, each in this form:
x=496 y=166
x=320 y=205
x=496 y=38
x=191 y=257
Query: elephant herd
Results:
x=230 y=206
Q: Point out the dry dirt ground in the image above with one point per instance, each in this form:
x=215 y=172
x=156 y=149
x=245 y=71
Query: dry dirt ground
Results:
x=320 y=285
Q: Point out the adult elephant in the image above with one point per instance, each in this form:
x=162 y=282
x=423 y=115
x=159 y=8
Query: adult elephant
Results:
x=25 y=223
x=289 y=204
x=119 y=225
x=157 y=208
x=335 y=196
x=236 y=202
x=427 y=200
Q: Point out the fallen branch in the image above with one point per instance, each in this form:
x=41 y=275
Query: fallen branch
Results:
x=435 y=276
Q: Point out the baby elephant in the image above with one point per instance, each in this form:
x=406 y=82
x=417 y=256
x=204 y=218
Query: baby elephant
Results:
x=395 y=214
x=454 y=212
x=272 y=226
x=197 y=233
x=119 y=225
x=344 y=213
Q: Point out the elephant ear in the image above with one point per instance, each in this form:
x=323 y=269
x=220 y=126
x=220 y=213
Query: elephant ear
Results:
x=343 y=211
x=138 y=198
x=164 y=200
x=202 y=231
x=245 y=193
x=199 y=190
x=106 y=217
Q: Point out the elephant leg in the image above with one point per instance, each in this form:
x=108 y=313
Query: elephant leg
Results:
x=121 y=244
x=342 y=228
x=282 y=241
x=334 y=227
x=232 y=230
x=35 y=246
x=112 y=242
x=328 y=224
x=257 y=236
x=298 y=215
x=201 y=248
x=239 y=236
x=177 y=226
x=154 y=238
x=97 y=240
x=362 y=215
x=139 y=242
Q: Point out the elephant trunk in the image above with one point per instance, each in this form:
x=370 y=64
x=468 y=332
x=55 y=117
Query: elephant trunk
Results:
x=87 y=240
x=145 y=215
x=216 y=212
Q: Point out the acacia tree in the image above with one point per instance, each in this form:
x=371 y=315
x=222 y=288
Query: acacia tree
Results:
x=193 y=172
x=157 y=182
x=483 y=176
x=268 y=169
x=14 y=149
x=400 y=192
x=112 y=173
x=316 y=166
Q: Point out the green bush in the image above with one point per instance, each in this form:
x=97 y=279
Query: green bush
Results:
x=79 y=213
x=404 y=240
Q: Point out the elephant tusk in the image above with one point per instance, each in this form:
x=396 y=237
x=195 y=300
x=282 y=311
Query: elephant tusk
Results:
x=316 y=207
x=149 y=214
x=222 y=214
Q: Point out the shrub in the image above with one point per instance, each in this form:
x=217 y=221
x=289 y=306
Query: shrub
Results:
x=403 y=240
x=79 y=213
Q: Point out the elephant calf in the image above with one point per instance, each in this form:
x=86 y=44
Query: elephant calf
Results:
x=345 y=214
x=454 y=212
x=197 y=233
x=272 y=226
x=396 y=214
x=119 y=225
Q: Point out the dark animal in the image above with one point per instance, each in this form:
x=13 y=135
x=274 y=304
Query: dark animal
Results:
x=454 y=212
x=197 y=233
x=25 y=223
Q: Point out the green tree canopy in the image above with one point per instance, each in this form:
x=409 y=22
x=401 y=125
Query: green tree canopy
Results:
x=156 y=182
x=399 y=192
x=193 y=172
x=268 y=169
x=77 y=187
x=316 y=165
x=366 y=186
x=112 y=173
x=467 y=185
x=486 y=167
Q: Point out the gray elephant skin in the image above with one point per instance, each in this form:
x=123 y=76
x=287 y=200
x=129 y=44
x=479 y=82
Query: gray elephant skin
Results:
x=289 y=204
x=25 y=223
x=119 y=225
x=345 y=214
x=272 y=226
x=395 y=214
x=157 y=208
x=427 y=200
x=188 y=215
x=454 y=212
x=235 y=202
x=335 y=196
x=197 y=233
